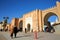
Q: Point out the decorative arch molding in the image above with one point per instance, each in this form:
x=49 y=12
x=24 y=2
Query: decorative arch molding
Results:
x=48 y=15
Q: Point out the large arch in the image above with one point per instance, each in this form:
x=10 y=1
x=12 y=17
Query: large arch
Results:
x=48 y=15
x=21 y=25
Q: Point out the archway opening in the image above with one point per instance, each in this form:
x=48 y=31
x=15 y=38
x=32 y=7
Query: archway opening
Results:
x=21 y=25
x=54 y=20
x=28 y=27
x=51 y=17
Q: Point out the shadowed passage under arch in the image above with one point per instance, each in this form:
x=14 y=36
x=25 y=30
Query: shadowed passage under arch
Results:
x=21 y=25
x=28 y=27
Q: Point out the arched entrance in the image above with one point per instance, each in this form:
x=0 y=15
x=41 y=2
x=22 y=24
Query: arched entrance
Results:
x=47 y=16
x=21 y=25
x=28 y=27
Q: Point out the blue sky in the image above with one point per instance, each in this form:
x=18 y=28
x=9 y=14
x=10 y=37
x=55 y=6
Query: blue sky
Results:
x=17 y=8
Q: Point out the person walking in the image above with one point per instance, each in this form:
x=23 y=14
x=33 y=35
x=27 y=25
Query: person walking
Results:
x=25 y=30
x=14 y=31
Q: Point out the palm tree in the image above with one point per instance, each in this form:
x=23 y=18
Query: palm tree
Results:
x=1 y=22
x=5 y=22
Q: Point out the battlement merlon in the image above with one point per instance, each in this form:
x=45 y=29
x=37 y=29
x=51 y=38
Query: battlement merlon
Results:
x=58 y=4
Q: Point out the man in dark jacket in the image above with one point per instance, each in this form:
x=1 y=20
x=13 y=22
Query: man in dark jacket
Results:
x=15 y=30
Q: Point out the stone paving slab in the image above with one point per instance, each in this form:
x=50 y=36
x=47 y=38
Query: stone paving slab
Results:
x=2 y=37
x=30 y=36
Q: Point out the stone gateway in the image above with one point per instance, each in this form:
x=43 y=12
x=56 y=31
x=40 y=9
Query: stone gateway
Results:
x=36 y=19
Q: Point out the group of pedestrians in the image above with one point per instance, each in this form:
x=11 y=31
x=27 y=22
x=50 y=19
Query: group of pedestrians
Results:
x=14 y=30
x=49 y=28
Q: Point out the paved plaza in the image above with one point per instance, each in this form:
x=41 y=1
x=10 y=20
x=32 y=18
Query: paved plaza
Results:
x=30 y=36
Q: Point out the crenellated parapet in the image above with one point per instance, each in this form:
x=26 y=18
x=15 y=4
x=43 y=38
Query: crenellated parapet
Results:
x=51 y=8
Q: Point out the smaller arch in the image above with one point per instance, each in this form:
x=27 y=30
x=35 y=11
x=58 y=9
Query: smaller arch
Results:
x=28 y=27
x=21 y=25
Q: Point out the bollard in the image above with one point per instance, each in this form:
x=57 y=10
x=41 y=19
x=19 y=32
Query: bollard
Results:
x=35 y=35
